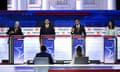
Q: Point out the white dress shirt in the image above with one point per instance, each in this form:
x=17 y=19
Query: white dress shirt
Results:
x=78 y=26
x=46 y=25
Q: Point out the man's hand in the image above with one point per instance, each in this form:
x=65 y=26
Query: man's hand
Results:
x=11 y=32
x=72 y=30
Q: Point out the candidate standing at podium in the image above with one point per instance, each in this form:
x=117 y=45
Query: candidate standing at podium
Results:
x=78 y=29
x=15 y=30
x=47 y=28
x=111 y=30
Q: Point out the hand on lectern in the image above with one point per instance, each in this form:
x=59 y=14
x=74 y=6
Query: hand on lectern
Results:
x=72 y=30
x=11 y=32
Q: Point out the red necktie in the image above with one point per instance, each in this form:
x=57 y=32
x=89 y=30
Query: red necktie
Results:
x=77 y=29
x=46 y=29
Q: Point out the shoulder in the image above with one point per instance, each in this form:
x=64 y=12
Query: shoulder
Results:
x=11 y=27
x=42 y=25
x=51 y=24
x=48 y=54
x=74 y=26
x=19 y=27
x=81 y=26
x=115 y=28
x=107 y=27
x=38 y=54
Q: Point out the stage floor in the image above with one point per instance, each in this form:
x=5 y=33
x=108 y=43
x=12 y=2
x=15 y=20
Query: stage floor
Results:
x=57 y=68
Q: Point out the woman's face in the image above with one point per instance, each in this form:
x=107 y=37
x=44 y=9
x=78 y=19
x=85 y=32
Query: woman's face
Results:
x=110 y=23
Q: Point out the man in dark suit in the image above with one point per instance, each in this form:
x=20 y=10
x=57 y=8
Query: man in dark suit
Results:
x=43 y=53
x=12 y=31
x=47 y=28
x=16 y=30
x=77 y=29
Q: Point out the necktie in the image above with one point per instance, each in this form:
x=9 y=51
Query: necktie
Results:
x=77 y=29
x=46 y=29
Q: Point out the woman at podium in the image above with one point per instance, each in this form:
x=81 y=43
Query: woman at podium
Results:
x=111 y=30
x=78 y=29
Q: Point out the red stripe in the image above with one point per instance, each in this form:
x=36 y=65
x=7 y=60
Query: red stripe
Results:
x=3 y=36
x=108 y=36
x=47 y=36
x=86 y=70
x=31 y=35
x=62 y=35
x=78 y=36
x=61 y=13
x=94 y=36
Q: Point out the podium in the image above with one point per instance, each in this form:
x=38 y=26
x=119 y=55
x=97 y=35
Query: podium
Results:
x=110 y=49
x=78 y=40
x=48 y=41
x=16 y=50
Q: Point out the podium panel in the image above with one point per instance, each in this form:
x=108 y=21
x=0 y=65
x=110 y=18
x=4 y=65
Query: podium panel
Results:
x=3 y=48
x=78 y=41
x=63 y=48
x=18 y=49
x=118 y=46
x=109 y=49
x=94 y=47
x=31 y=47
x=48 y=41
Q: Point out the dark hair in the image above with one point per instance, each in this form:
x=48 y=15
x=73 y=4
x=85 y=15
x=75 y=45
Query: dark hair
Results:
x=46 y=18
x=113 y=26
x=79 y=51
x=43 y=48
x=76 y=19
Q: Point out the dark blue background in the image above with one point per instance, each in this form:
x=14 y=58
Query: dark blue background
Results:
x=28 y=19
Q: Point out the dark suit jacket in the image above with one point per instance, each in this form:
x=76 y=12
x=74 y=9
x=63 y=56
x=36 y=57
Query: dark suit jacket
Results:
x=81 y=30
x=18 y=32
x=49 y=31
x=44 y=54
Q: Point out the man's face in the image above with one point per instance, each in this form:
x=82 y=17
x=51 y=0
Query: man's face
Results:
x=77 y=22
x=47 y=21
x=16 y=24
